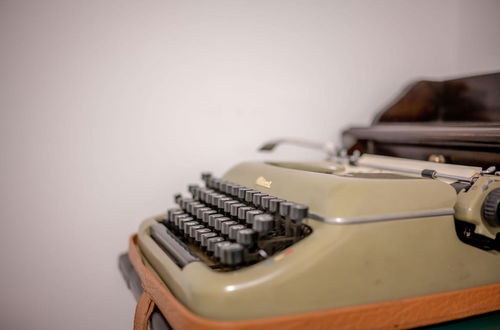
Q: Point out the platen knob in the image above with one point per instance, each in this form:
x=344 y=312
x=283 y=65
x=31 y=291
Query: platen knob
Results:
x=231 y=254
x=263 y=223
x=491 y=208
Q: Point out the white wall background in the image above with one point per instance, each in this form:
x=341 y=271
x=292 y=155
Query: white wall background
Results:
x=109 y=107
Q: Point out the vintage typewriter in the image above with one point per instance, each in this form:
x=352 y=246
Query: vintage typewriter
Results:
x=400 y=228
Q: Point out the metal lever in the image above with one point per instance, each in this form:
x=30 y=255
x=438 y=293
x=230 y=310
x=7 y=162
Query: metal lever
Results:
x=327 y=147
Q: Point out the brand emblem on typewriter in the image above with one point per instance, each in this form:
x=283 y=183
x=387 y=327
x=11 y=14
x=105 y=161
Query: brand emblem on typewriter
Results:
x=261 y=181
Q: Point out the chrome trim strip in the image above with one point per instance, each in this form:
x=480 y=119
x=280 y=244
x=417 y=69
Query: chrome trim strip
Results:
x=385 y=217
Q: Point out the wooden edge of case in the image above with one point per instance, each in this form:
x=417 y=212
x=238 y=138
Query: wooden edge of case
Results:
x=397 y=314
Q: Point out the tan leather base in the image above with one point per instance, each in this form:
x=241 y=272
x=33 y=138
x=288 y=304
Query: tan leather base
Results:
x=398 y=314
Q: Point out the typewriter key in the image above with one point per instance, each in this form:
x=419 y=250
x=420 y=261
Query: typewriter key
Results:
x=219 y=222
x=198 y=232
x=222 y=200
x=241 y=193
x=246 y=237
x=205 y=176
x=211 y=241
x=191 y=205
x=233 y=231
x=284 y=209
x=235 y=207
x=227 y=205
x=188 y=225
x=182 y=221
x=215 y=199
x=235 y=191
x=242 y=212
x=200 y=211
x=257 y=198
x=183 y=202
x=192 y=230
x=206 y=215
x=195 y=208
x=251 y=215
x=264 y=202
x=298 y=212
x=192 y=188
x=177 y=216
x=229 y=188
x=231 y=254
x=249 y=195
x=218 y=247
x=205 y=236
x=170 y=214
x=226 y=225
x=263 y=223
x=222 y=186
x=211 y=219
x=274 y=205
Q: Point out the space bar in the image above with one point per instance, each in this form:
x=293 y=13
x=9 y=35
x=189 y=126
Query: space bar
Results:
x=176 y=249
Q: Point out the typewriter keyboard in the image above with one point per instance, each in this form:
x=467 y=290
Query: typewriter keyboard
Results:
x=229 y=226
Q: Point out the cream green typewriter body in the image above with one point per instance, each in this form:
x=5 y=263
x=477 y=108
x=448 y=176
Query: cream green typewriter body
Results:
x=377 y=235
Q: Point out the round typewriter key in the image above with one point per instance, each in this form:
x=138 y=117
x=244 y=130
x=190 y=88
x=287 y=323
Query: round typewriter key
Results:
x=204 y=238
x=177 y=216
x=274 y=205
x=231 y=254
x=193 y=204
x=251 y=215
x=235 y=190
x=219 y=222
x=246 y=237
x=298 y=212
x=229 y=188
x=177 y=198
x=242 y=212
x=195 y=208
x=170 y=214
x=218 y=247
x=217 y=183
x=233 y=231
x=212 y=217
x=211 y=182
x=206 y=175
x=206 y=215
x=226 y=225
x=249 y=195
x=199 y=212
x=210 y=198
x=192 y=230
x=235 y=208
x=264 y=202
x=241 y=193
x=212 y=241
x=188 y=225
x=227 y=205
x=192 y=188
x=222 y=200
x=183 y=203
x=182 y=221
x=263 y=223
x=215 y=199
x=257 y=198
x=222 y=186
x=198 y=232
x=284 y=209
x=195 y=192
